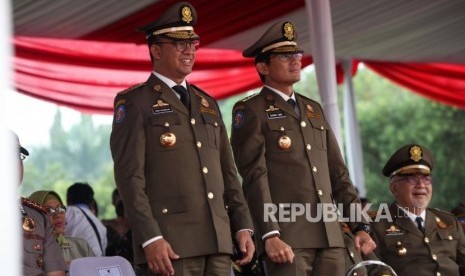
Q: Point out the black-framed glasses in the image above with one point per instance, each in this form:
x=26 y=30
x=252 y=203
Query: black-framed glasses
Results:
x=415 y=178
x=288 y=57
x=55 y=211
x=181 y=46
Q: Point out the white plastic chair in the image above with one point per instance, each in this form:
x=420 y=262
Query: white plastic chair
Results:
x=101 y=266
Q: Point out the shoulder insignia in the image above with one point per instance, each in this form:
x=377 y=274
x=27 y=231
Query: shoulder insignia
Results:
x=131 y=88
x=250 y=97
x=199 y=91
x=32 y=204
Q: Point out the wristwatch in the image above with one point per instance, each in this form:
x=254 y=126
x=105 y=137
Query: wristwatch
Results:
x=362 y=227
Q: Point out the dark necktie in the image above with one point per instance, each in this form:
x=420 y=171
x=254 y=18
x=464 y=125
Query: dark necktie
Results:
x=292 y=103
x=419 y=221
x=183 y=93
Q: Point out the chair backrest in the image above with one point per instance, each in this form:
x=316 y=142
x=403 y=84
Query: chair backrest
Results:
x=101 y=266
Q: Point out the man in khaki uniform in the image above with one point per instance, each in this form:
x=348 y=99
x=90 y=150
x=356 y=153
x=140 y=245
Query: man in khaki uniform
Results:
x=173 y=163
x=287 y=154
x=417 y=240
x=41 y=253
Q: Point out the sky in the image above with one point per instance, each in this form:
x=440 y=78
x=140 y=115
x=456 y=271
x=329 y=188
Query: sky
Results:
x=31 y=118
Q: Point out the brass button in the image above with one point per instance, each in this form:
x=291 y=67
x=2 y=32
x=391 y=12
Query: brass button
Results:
x=205 y=170
x=314 y=169
x=303 y=124
x=167 y=124
x=309 y=147
x=322 y=128
x=434 y=257
x=351 y=254
x=164 y=210
x=320 y=192
x=199 y=144
x=210 y=195
x=426 y=240
x=450 y=237
x=438 y=273
x=193 y=121
x=216 y=124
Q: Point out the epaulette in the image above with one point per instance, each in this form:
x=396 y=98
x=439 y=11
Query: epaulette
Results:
x=442 y=212
x=131 y=88
x=200 y=91
x=308 y=99
x=250 y=97
x=32 y=204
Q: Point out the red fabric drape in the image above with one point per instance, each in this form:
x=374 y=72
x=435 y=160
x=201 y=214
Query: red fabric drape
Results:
x=86 y=75
x=440 y=82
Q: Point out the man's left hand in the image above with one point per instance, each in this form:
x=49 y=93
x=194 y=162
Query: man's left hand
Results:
x=246 y=246
x=364 y=243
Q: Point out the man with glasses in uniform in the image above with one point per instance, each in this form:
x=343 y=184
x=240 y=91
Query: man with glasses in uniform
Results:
x=173 y=163
x=414 y=239
x=287 y=154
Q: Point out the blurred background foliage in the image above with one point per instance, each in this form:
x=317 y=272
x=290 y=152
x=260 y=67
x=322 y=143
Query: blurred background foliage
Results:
x=389 y=117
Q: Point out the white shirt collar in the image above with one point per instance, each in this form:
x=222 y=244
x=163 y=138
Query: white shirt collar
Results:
x=283 y=95
x=168 y=81
x=412 y=216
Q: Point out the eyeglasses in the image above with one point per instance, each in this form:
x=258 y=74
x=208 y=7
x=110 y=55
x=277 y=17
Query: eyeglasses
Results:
x=181 y=46
x=55 y=211
x=415 y=178
x=288 y=57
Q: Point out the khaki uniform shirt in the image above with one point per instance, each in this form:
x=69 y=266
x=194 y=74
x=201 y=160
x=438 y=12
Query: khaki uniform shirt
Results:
x=41 y=253
x=186 y=190
x=310 y=171
x=439 y=251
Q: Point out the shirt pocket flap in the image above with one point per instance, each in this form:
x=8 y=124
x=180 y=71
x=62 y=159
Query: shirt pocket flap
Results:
x=170 y=205
x=165 y=120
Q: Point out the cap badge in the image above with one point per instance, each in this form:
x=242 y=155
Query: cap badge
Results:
x=288 y=30
x=186 y=14
x=416 y=153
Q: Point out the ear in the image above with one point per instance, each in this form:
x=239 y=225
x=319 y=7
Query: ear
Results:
x=393 y=188
x=155 y=51
x=262 y=68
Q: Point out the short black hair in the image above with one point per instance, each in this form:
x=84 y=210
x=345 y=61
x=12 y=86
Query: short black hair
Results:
x=80 y=193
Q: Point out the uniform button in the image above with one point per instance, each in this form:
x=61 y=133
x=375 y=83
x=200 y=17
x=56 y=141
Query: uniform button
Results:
x=193 y=121
x=322 y=128
x=314 y=169
x=303 y=124
x=199 y=144
x=164 y=210
x=281 y=128
x=434 y=257
x=351 y=254
x=320 y=192
x=438 y=273
x=426 y=240
x=210 y=195
x=205 y=170
x=216 y=124
x=309 y=147
x=450 y=237
x=167 y=124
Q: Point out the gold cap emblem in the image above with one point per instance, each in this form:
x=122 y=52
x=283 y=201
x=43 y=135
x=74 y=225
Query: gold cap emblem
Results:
x=186 y=14
x=288 y=30
x=416 y=153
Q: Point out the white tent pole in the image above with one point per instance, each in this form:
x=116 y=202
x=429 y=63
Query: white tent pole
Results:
x=9 y=239
x=321 y=39
x=352 y=133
